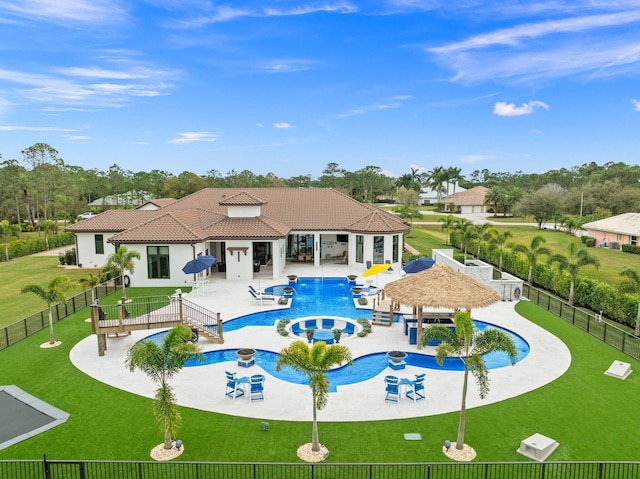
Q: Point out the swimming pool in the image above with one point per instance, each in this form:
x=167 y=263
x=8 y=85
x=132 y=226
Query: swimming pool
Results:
x=332 y=296
x=312 y=297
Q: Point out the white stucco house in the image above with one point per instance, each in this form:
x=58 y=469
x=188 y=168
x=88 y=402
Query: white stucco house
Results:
x=242 y=227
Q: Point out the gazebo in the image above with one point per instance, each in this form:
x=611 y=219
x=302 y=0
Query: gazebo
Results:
x=439 y=287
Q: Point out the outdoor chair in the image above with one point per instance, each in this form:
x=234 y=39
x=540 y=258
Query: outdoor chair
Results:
x=259 y=293
x=310 y=324
x=256 y=383
x=296 y=329
x=417 y=392
x=327 y=323
x=234 y=388
x=392 y=388
x=349 y=329
x=261 y=298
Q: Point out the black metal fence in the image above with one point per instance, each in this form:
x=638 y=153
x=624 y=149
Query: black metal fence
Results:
x=32 y=324
x=585 y=320
x=208 y=470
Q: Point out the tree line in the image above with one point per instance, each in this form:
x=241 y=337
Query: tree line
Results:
x=41 y=186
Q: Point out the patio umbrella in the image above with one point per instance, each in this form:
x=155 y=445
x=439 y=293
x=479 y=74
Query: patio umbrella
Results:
x=199 y=264
x=375 y=269
x=440 y=287
x=418 y=264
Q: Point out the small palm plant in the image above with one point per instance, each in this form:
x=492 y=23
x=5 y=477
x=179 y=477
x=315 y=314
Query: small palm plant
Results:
x=578 y=257
x=314 y=362
x=8 y=230
x=470 y=349
x=91 y=281
x=531 y=253
x=53 y=293
x=119 y=262
x=161 y=362
x=631 y=284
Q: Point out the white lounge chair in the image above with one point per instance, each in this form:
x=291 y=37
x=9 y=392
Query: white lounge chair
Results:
x=261 y=298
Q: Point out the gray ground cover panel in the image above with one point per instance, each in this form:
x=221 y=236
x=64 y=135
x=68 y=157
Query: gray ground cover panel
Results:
x=23 y=416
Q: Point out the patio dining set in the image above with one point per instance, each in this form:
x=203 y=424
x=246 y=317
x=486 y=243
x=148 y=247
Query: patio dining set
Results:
x=250 y=386
x=412 y=388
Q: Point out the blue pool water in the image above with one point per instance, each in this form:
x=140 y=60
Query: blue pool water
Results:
x=332 y=297
x=312 y=297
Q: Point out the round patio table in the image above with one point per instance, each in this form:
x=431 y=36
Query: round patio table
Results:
x=325 y=335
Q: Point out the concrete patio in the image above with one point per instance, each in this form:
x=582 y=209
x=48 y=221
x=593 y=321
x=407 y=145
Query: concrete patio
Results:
x=203 y=387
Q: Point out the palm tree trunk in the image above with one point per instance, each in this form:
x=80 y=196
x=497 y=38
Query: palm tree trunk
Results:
x=168 y=442
x=52 y=339
x=315 y=443
x=571 y=290
x=530 y=274
x=463 y=410
x=124 y=291
x=637 y=331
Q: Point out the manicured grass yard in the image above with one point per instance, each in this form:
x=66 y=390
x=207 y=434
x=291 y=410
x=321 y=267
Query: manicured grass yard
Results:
x=591 y=415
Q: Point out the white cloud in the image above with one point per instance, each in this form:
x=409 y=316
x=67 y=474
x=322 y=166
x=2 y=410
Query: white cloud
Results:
x=636 y=104
x=502 y=108
x=549 y=49
x=193 y=136
x=283 y=125
x=64 y=11
x=395 y=103
x=32 y=128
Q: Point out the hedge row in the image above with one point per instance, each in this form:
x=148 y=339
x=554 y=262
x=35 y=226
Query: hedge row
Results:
x=25 y=247
x=589 y=293
x=631 y=248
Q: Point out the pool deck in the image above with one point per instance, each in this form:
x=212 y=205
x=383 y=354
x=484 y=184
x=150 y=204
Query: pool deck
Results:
x=203 y=387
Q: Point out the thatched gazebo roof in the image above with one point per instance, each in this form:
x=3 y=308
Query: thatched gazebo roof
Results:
x=441 y=287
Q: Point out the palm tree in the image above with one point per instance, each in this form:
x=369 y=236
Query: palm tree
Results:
x=466 y=232
x=91 y=281
x=448 y=223
x=7 y=231
x=578 y=257
x=161 y=362
x=532 y=252
x=314 y=362
x=53 y=293
x=48 y=227
x=119 y=262
x=496 y=197
x=436 y=180
x=469 y=346
x=498 y=240
x=454 y=175
x=631 y=284
x=483 y=233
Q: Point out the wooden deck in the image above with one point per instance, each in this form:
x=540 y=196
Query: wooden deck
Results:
x=153 y=313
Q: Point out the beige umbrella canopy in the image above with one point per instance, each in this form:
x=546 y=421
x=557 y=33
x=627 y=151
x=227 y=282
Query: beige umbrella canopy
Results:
x=440 y=287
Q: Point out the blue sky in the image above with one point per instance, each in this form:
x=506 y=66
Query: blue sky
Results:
x=289 y=86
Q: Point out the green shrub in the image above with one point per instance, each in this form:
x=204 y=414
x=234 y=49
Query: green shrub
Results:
x=631 y=248
x=281 y=326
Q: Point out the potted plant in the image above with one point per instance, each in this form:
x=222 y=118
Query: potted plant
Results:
x=292 y=277
x=287 y=290
x=352 y=277
x=246 y=354
x=357 y=290
x=362 y=301
x=283 y=301
x=397 y=356
x=309 y=332
x=336 y=334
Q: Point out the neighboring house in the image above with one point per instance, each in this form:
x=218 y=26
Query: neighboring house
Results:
x=616 y=230
x=469 y=201
x=156 y=204
x=240 y=227
x=429 y=196
x=123 y=200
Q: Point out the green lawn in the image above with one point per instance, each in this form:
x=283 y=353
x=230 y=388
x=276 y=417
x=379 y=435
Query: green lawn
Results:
x=16 y=273
x=587 y=412
x=426 y=237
